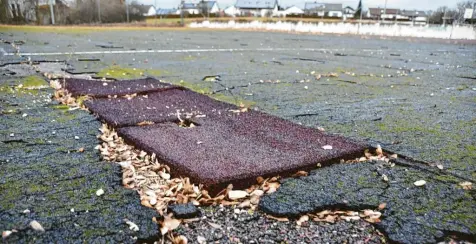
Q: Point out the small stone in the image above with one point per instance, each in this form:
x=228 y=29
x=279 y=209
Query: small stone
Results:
x=104 y=84
x=26 y=211
x=419 y=183
x=76 y=137
x=184 y=211
x=100 y=192
x=24 y=115
x=36 y=226
x=6 y=234
x=12 y=135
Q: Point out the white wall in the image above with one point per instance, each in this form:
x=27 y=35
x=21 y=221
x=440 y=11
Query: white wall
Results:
x=232 y=11
x=151 y=11
x=335 y=14
x=445 y=32
x=214 y=9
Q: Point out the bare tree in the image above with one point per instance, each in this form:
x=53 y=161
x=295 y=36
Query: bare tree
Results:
x=460 y=9
x=4 y=12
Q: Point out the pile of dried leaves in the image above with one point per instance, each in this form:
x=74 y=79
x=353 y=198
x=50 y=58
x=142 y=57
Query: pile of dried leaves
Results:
x=64 y=97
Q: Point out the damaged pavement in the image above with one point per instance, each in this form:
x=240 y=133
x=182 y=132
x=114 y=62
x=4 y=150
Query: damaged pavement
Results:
x=439 y=210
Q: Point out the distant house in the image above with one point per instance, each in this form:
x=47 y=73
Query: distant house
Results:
x=257 y=7
x=151 y=11
x=190 y=8
x=293 y=10
x=323 y=9
x=413 y=15
x=208 y=7
x=348 y=12
x=232 y=11
x=380 y=13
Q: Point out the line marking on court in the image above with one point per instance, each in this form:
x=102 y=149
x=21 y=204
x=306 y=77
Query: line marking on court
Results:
x=175 y=51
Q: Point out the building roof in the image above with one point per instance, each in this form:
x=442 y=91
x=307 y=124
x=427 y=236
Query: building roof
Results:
x=349 y=7
x=323 y=6
x=166 y=11
x=210 y=3
x=189 y=6
x=256 y=4
x=413 y=13
x=379 y=11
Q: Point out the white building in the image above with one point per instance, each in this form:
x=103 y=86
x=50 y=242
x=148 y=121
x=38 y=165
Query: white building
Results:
x=232 y=11
x=293 y=10
x=257 y=7
x=323 y=9
x=209 y=7
x=348 y=12
x=190 y=8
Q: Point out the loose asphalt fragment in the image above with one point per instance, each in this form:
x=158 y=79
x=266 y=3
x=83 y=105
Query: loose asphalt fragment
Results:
x=415 y=212
x=184 y=211
x=97 y=88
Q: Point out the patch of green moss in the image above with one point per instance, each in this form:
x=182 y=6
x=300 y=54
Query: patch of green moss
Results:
x=32 y=82
x=61 y=107
x=122 y=73
x=233 y=100
x=68 y=116
x=203 y=88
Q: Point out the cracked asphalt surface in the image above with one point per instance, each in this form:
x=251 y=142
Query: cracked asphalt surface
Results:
x=50 y=172
x=414 y=97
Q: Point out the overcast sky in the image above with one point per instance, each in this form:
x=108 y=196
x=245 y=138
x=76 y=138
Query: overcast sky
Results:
x=403 y=4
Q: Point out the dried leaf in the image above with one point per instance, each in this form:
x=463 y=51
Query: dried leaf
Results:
x=169 y=224
x=271 y=190
x=132 y=225
x=180 y=240
x=254 y=199
x=302 y=219
x=259 y=180
x=280 y=219
x=419 y=183
x=36 y=226
x=382 y=206
x=216 y=226
x=379 y=150
x=164 y=175
x=237 y=194
x=245 y=204
x=257 y=193
x=466 y=185
x=300 y=173
x=330 y=218
x=81 y=149
x=350 y=218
